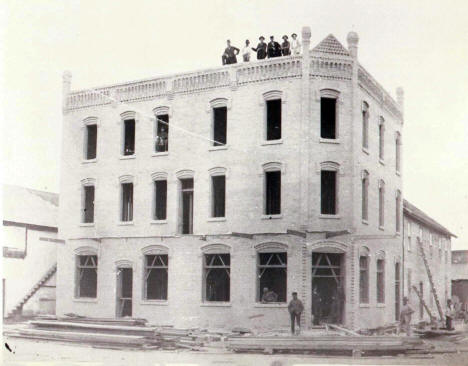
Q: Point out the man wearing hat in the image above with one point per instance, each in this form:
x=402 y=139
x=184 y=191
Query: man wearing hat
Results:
x=261 y=49
x=285 y=46
x=295 y=45
x=274 y=48
x=295 y=309
x=229 y=55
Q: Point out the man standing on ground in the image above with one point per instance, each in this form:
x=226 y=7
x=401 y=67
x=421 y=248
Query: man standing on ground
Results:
x=450 y=314
x=405 y=317
x=295 y=309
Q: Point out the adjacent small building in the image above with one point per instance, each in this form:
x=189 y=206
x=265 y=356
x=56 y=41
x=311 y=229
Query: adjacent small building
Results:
x=30 y=220
x=460 y=278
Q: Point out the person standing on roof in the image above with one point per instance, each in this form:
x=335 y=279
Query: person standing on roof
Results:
x=295 y=309
x=274 y=48
x=295 y=45
x=261 y=49
x=285 y=46
x=230 y=53
x=246 y=51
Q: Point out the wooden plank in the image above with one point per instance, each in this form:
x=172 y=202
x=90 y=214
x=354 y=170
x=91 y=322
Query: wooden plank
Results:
x=84 y=326
x=347 y=331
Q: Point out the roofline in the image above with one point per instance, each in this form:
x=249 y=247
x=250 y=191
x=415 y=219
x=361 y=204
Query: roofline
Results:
x=426 y=219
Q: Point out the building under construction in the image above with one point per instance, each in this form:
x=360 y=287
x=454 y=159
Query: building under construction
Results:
x=184 y=197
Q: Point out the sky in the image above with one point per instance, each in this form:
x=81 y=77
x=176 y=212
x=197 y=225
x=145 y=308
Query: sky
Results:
x=419 y=45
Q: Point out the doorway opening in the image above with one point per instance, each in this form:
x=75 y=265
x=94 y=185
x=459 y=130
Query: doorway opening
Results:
x=328 y=295
x=124 y=292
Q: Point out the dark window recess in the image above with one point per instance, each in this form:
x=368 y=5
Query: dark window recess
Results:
x=127 y=202
x=380 y=281
x=156 y=268
x=160 y=193
x=328 y=192
x=125 y=292
x=217 y=272
x=87 y=276
x=272 y=274
x=328 y=118
x=273 y=119
x=273 y=193
x=91 y=141
x=364 y=280
x=129 y=137
x=219 y=196
x=187 y=205
x=397 y=291
x=219 y=126
x=162 y=133
x=88 y=214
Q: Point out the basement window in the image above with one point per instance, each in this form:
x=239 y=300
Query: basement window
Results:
x=218 y=186
x=86 y=276
x=328 y=118
x=364 y=279
x=328 y=192
x=88 y=209
x=162 y=133
x=160 y=196
x=186 y=208
x=380 y=281
x=219 y=126
x=156 y=276
x=129 y=137
x=273 y=119
x=272 y=274
x=91 y=142
x=217 y=277
x=273 y=193
x=127 y=202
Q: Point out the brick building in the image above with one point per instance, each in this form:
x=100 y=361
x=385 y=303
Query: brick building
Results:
x=183 y=197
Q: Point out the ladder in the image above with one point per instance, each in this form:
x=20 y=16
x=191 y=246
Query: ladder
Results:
x=432 y=317
x=431 y=280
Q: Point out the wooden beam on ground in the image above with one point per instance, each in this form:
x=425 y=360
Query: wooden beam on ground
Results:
x=243 y=235
x=60 y=241
x=347 y=331
x=297 y=233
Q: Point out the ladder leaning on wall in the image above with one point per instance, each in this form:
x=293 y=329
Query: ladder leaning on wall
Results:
x=431 y=281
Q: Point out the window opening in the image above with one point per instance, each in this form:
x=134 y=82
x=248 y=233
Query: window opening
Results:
x=217 y=273
x=162 y=133
x=160 y=194
x=397 y=291
x=124 y=291
x=273 y=119
x=219 y=126
x=129 y=137
x=272 y=275
x=328 y=118
x=364 y=279
x=91 y=141
x=273 y=193
x=87 y=276
x=380 y=281
x=88 y=211
x=156 y=276
x=187 y=205
x=328 y=192
x=127 y=202
x=219 y=196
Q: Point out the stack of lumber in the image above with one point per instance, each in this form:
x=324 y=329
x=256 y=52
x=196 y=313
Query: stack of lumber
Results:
x=353 y=345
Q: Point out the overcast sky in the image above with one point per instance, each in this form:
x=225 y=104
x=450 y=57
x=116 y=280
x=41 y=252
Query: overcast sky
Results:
x=420 y=45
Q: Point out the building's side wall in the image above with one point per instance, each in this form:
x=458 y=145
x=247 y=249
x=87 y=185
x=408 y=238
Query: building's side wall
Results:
x=22 y=274
x=439 y=262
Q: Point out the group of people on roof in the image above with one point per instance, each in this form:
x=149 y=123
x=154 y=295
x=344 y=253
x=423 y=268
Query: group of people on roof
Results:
x=263 y=50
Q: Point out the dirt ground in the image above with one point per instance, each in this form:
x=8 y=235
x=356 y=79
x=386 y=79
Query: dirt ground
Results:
x=30 y=352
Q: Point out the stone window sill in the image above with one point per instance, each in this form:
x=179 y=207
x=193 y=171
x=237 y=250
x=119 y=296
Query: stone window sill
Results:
x=280 y=305
x=158 y=222
x=154 y=302
x=397 y=172
x=329 y=141
x=382 y=228
x=162 y=153
x=365 y=222
x=88 y=161
x=216 y=304
x=85 y=299
x=216 y=148
x=381 y=305
x=272 y=217
x=272 y=142
x=87 y=224
x=125 y=223
x=334 y=217
x=381 y=161
x=127 y=157
x=364 y=305
x=216 y=219
x=364 y=150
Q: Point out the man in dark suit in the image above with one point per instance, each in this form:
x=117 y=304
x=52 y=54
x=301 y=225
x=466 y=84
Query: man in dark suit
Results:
x=285 y=46
x=274 y=48
x=230 y=53
x=261 y=49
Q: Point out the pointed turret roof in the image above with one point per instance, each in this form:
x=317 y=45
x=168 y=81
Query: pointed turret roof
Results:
x=331 y=45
